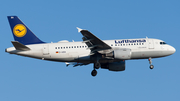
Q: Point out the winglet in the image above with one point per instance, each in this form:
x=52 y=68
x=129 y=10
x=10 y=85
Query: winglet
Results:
x=20 y=46
x=79 y=29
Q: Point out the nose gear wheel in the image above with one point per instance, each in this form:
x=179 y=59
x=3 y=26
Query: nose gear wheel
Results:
x=150 y=62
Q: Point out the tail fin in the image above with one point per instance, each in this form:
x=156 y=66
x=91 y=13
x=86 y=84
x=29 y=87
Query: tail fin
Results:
x=21 y=32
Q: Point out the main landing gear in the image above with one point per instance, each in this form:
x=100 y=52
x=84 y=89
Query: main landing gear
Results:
x=97 y=65
x=150 y=62
x=94 y=72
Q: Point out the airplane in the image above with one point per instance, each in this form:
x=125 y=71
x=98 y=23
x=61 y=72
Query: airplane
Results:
x=105 y=54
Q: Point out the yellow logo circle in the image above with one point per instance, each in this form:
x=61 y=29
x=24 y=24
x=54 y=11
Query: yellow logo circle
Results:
x=19 y=30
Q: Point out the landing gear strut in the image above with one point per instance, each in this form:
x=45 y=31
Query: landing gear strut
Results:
x=97 y=65
x=150 y=62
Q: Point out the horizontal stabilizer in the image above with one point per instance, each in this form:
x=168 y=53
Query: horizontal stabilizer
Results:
x=20 y=46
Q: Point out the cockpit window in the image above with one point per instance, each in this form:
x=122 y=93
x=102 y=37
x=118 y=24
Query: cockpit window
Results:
x=162 y=43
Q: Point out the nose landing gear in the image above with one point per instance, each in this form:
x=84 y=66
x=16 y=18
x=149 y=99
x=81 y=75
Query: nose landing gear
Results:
x=150 y=62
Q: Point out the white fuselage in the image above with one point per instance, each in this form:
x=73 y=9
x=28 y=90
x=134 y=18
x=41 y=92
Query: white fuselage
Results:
x=79 y=52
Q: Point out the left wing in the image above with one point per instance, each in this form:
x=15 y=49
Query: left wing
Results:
x=93 y=42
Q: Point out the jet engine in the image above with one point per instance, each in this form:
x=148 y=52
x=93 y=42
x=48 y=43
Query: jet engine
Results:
x=122 y=54
x=114 y=66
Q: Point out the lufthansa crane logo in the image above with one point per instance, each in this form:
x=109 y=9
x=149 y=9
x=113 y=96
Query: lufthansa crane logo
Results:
x=19 y=30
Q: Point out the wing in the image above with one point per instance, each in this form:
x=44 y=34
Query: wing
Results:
x=75 y=64
x=93 y=42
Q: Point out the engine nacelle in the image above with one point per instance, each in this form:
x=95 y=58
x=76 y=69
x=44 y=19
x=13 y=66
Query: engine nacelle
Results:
x=115 y=66
x=122 y=54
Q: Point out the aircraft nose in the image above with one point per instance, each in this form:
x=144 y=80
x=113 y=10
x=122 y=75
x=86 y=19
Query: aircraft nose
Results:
x=172 y=50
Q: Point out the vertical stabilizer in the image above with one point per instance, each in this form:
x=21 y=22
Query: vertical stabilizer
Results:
x=21 y=32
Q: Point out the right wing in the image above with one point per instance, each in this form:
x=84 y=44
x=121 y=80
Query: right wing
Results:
x=75 y=64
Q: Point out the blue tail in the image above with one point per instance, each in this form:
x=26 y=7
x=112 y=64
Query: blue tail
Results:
x=21 y=32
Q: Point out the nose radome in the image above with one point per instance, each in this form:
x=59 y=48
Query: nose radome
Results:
x=172 y=49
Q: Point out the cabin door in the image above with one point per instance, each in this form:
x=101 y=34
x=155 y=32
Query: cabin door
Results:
x=150 y=44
